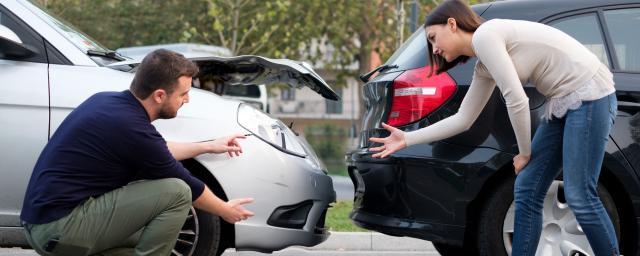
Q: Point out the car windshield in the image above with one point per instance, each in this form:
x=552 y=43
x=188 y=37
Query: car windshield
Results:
x=79 y=39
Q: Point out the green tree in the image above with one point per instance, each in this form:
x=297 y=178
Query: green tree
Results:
x=357 y=29
x=120 y=23
x=286 y=28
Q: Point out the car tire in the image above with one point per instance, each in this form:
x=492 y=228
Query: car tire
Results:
x=491 y=220
x=491 y=223
x=200 y=235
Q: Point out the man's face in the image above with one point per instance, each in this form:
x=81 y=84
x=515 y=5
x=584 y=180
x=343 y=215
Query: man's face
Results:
x=175 y=100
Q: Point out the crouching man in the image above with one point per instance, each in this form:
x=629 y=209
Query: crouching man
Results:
x=107 y=182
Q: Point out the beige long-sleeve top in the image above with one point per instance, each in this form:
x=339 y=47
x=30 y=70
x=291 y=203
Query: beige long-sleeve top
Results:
x=511 y=53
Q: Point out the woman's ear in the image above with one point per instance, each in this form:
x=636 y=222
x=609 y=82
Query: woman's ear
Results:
x=452 y=25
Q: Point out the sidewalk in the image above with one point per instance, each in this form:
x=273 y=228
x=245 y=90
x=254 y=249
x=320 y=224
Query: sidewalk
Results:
x=372 y=241
x=355 y=243
x=343 y=242
x=343 y=187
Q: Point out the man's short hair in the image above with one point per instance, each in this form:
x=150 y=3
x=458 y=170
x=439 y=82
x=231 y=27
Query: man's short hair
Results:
x=161 y=69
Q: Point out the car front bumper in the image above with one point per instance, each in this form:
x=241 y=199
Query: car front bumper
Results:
x=267 y=237
x=291 y=196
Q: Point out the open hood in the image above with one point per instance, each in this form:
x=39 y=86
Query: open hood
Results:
x=251 y=69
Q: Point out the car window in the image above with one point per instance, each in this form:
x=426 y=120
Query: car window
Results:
x=586 y=29
x=26 y=35
x=412 y=54
x=79 y=39
x=248 y=90
x=623 y=26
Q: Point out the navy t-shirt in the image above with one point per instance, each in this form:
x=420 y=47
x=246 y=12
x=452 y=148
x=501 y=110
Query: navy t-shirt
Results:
x=104 y=144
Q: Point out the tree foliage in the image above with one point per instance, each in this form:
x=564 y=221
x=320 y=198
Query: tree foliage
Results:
x=274 y=28
x=121 y=23
x=336 y=33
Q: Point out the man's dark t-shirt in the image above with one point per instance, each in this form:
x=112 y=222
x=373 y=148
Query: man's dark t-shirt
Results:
x=105 y=143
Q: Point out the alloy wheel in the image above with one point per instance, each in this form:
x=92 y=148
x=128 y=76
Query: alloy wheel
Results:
x=188 y=236
x=561 y=233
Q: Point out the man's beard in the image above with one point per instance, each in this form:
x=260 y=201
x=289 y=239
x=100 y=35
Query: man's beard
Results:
x=166 y=113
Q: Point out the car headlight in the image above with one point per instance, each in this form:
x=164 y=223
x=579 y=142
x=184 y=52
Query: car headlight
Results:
x=270 y=130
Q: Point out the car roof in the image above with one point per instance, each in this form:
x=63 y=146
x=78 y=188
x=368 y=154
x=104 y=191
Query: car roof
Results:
x=536 y=10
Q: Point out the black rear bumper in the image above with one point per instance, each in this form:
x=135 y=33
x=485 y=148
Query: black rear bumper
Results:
x=426 y=197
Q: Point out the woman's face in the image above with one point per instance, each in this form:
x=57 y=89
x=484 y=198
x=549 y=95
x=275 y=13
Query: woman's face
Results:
x=444 y=41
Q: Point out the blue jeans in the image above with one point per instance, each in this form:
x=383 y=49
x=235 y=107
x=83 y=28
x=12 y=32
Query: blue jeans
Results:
x=574 y=144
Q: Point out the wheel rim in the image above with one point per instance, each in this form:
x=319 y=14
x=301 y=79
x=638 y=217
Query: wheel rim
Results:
x=188 y=236
x=561 y=234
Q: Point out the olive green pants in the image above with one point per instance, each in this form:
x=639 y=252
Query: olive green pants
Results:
x=142 y=218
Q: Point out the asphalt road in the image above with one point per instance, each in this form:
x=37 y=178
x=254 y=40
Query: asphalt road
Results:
x=343 y=187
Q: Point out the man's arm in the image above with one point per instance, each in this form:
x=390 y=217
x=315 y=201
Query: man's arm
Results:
x=232 y=211
x=186 y=150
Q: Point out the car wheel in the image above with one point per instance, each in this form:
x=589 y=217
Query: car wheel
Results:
x=561 y=234
x=200 y=235
x=492 y=218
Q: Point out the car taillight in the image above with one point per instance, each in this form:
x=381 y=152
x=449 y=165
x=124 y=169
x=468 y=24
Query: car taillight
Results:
x=415 y=95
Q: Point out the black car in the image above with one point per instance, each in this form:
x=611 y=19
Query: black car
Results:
x=458 y=193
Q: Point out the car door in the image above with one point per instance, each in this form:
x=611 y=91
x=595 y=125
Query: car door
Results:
x=621 y=25
x=607 y=33
x=24 y=116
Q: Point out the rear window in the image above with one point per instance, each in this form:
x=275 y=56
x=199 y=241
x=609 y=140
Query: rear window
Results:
x=412 y=54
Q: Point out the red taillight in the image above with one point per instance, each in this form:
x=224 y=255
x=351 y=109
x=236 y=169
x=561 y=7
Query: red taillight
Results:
x=415 y=95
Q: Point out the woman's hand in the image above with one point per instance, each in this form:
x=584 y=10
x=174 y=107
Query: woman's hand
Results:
x=520 y=161
x=391 y=144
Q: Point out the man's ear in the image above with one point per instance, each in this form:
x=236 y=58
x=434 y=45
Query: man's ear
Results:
x=159 y=95
x=452 y=24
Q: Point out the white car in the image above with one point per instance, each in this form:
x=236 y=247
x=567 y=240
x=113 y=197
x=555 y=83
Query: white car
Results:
x=47 y=69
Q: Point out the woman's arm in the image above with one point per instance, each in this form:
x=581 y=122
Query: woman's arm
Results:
x=474 y=101
x=491 y=50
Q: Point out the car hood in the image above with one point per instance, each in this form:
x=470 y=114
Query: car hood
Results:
x=251 y=69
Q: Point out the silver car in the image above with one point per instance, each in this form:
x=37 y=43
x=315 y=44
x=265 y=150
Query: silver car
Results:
x=48 y=68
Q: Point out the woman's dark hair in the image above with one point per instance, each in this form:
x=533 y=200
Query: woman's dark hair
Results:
x=466 y=19
x=161 y=69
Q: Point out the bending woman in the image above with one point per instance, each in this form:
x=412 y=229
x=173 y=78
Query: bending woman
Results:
x=580 y=112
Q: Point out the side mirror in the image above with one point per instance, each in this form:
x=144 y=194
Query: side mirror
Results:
x=14 y=50
x=12 y=47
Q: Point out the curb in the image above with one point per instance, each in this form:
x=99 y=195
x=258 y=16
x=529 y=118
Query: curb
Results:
x=371 y=241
